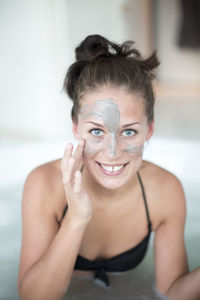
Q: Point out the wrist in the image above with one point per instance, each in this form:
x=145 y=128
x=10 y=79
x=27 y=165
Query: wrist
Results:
x=75 y=223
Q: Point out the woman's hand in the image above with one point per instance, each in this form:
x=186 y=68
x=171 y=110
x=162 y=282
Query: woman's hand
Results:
x=79 y=205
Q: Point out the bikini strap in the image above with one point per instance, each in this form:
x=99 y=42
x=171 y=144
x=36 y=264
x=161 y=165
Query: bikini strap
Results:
x=145 y=201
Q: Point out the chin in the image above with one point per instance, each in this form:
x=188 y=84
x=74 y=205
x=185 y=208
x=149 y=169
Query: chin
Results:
x=112 y=185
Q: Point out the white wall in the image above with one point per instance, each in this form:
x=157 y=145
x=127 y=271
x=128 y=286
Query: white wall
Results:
x=34 y=56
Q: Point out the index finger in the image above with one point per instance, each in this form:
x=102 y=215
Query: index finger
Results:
x=78 y=153
x=67 y=155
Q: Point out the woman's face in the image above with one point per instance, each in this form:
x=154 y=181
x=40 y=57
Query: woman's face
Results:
x=114 y=126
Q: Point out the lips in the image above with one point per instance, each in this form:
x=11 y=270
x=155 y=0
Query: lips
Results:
x=112 y=169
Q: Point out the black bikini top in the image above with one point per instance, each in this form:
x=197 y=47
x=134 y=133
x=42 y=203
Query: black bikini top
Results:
x=121 y=262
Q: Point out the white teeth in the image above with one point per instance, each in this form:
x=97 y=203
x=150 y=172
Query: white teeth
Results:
x=118 y=168
x=112 y=169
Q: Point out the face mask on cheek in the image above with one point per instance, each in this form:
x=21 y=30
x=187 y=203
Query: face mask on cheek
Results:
x=93 y=146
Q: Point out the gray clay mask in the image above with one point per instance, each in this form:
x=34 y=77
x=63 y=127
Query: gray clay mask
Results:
x=107 y=111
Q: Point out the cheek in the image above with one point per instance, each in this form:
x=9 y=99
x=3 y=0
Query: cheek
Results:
x=132 y=146
x=92 y=147
x=135 y=150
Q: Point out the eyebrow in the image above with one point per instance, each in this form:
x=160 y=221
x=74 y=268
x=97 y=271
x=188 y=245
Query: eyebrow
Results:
x=131 y=124
x=96 y=124
x=123 y=126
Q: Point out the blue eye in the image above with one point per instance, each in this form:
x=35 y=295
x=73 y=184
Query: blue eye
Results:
x=129 y=132
x=96 y=132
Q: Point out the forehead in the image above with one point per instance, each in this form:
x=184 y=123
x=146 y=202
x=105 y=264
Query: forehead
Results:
x=129 y=104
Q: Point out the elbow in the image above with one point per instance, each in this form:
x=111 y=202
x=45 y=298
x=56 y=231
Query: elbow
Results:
x=161 y=292
x=19 y=289
x=25 y=293
x=21 y=292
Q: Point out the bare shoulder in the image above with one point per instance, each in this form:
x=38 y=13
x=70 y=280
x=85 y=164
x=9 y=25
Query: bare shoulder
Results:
x=164 y=191
x=158 y=175
x=45 y=177
x=46 y=181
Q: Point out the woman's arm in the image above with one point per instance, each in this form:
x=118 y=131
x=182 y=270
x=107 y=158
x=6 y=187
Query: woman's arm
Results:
x=186 y=287
x=48 y=252
x=172 y=276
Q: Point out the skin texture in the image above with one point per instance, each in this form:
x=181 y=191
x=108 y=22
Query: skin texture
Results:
x=51 y=242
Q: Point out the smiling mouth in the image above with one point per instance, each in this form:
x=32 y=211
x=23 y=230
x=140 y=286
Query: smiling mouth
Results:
x=112 y=169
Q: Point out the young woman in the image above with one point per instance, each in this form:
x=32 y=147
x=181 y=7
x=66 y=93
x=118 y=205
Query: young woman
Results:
x=94 y=210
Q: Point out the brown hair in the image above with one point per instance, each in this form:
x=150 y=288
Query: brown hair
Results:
x=102 y=62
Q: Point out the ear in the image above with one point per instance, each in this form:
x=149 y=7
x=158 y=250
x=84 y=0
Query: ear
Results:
x=150 y=130
x=76 y=131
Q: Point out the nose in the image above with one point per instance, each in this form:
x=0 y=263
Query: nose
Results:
x=112 y=145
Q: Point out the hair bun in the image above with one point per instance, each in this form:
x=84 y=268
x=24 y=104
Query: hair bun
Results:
x=150 y=64
x=92 y=47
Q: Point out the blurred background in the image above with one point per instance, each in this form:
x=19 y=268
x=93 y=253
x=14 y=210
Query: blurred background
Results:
x=38 y=38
